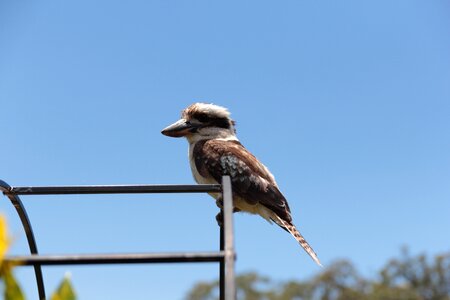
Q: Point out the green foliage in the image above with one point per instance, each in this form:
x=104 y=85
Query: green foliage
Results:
x=64 y=291
x=402 y=278
x=204 y=291
x=11 y=288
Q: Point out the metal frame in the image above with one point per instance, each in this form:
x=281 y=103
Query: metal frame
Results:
x=226 y=256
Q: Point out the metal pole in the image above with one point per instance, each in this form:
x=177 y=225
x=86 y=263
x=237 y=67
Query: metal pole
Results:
x=230 y=286
x=222 y=264
x=226 y=256
x=15 y=200
x=111 y=189
x=130 y=258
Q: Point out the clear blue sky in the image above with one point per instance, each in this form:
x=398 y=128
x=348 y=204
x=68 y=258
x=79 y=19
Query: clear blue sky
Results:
x=347 y=102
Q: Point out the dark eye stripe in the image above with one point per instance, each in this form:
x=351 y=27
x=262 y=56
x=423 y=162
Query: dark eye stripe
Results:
x=211 y=121
x=202 y=117
x=220 y=122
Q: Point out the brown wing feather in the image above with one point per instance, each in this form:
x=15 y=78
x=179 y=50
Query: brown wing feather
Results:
x=250 y=179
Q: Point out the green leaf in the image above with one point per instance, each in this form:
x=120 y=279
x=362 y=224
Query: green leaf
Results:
x=12 y=289
x=65 y=291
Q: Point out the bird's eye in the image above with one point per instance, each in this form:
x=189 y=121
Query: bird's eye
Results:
x=202 y=118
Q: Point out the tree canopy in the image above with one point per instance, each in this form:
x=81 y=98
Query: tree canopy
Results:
x=405 y=277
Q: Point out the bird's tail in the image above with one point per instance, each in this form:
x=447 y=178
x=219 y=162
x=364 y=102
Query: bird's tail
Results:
x=300 y=239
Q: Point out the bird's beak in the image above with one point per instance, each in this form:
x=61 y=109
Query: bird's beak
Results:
x=178 y=129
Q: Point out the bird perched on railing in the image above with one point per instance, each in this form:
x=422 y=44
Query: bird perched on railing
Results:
x=215 y=151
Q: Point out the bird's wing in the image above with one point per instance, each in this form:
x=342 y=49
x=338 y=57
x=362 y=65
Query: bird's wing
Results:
x=250 y=179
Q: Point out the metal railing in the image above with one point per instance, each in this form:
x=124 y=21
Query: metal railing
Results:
x=226 y=255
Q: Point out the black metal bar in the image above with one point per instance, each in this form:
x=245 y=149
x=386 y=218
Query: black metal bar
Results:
x=133 y=258
x=112 y=189
x=226 y=255
x=222 y=264
x=15 y=200
x=230 y=287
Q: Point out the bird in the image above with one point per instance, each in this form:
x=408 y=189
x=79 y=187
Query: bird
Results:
x=215 y=151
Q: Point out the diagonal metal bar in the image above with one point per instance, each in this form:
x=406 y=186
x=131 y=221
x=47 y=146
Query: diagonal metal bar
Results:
x=15 y=200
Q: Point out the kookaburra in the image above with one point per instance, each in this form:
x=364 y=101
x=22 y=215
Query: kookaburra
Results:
x=215 y=151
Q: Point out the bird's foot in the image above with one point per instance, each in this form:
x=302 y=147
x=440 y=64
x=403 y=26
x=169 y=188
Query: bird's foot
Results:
x=219 y=216
x=219 y=219
x=219 y=202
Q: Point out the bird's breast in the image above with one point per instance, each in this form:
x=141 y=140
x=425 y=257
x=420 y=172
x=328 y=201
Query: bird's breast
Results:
x=195 y=173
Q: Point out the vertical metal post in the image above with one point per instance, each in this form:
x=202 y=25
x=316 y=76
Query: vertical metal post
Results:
x=222 y=264
x=226 y=257
x=15 y=200
x=228 y=240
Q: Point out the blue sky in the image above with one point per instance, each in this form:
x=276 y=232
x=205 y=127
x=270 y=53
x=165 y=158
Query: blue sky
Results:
x=347 y=103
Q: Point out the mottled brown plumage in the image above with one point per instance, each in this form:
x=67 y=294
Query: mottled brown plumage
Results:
x=249 y=178
x=215 y=151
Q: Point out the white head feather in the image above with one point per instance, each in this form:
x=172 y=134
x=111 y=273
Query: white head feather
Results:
x=212 y=111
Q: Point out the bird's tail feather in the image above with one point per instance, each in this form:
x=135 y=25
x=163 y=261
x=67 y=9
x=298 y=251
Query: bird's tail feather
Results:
x=300 y=239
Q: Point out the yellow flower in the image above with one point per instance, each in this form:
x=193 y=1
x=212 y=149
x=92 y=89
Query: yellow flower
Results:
x=4 y=237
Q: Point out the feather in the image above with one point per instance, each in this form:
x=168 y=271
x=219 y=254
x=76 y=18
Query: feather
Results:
x=299 y=237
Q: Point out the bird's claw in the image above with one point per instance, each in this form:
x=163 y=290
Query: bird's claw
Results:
x=219 y=216
x=219 y=202
x=219 y=219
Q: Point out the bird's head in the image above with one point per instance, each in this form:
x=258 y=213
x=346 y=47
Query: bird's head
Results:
x=203 y=121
